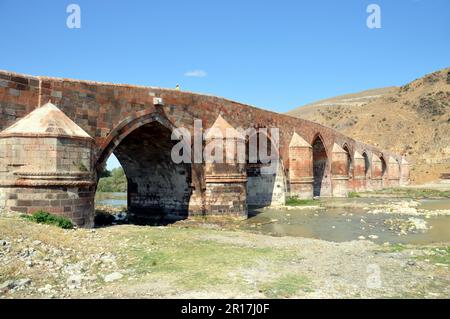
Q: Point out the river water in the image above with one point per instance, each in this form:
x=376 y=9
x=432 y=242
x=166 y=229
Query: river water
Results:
x=338 y=222
x=345 y=224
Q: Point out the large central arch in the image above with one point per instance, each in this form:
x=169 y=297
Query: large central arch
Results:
x=158 y=188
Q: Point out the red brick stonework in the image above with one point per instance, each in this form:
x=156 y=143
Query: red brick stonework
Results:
x=57 y=171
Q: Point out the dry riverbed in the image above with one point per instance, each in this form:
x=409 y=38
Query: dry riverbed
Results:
x=201 y=260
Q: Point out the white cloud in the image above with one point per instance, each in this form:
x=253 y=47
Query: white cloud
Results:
x=196 y=73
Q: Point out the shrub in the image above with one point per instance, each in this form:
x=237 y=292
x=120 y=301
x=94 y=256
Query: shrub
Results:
x=116 y=182
x=353 y=195
x=42 y=217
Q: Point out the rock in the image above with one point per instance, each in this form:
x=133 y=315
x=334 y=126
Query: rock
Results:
x=46 y=289
x=14 y=284
x=373 y=236
x=4 y=243
x=441 y=265
x=37 y=242
x=418 y=223
x=113 y=276
x=22 y=282
x=74 y=281
x=361 y=237
x=7 y=285
x=411 y=263
x=59 y=262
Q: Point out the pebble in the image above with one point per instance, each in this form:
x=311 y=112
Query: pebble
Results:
x=74 y=281
x=361 y=237
x=113 y=276
x=4 y=243
x=373 y=236
x=411 y=263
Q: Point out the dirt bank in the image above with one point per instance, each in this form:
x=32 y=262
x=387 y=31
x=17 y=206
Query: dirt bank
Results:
x=200 y=261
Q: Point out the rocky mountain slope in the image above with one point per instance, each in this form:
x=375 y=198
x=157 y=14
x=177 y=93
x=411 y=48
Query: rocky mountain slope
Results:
x=413 y=119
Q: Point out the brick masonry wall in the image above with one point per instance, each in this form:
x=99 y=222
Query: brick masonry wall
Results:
x=75 y=203
x=109 y=112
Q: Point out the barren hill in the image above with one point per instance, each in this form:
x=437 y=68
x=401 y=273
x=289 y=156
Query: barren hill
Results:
x=413 y=119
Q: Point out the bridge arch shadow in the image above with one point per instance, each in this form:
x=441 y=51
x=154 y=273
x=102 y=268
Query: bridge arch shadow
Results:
x=266 y=182
x=321 y=167
x=158 y=190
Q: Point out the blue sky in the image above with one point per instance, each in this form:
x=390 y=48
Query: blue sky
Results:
x=276 y=55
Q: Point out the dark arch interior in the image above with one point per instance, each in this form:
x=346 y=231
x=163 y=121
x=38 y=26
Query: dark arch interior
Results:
x=349 y=167
x=158 y=189
x=366 y=163
x=320 y=161
x=263 y=187
x=383 y=166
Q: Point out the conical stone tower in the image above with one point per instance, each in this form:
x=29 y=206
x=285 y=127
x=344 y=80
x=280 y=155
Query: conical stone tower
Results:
x=46 y=164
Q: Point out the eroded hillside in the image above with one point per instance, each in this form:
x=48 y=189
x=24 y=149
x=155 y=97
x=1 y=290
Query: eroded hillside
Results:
x=413 y=119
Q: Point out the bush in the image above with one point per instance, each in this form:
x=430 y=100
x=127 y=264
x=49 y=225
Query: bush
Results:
x=42 y=217
x=116 y=182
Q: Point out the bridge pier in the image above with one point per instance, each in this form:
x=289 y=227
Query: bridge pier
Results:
x=339 y=171
x=47 y=165
x=225 y=177
x=300 y=168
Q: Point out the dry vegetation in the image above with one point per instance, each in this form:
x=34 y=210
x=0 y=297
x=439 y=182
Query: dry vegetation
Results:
x=413 y=119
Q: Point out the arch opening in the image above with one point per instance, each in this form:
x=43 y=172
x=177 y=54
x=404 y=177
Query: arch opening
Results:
x=266 y=182
x=349 y=166
x=158 y=190
x=383 y=166
x=366 y=163
x=320 y=164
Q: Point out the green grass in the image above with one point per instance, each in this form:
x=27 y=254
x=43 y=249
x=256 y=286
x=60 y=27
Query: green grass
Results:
x=441 y=256
x=42 y=217
x=292 y=201
x=191 y=261
x=414 y=192
x=353 y=195
x=286 y=286
x=394 y=248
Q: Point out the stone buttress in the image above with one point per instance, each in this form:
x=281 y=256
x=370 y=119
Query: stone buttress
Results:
x=46 y=164
x=300 y=168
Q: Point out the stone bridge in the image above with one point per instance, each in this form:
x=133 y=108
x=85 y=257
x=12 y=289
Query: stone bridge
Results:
x=56 y=135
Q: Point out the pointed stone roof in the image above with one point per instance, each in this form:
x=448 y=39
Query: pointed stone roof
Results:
x=298 y=141
x=358 y=155
x=225 y=129
x=47 y=120
x=375 y=158
x=338 y=149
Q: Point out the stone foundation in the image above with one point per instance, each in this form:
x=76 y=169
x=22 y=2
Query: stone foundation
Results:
x=75 y=203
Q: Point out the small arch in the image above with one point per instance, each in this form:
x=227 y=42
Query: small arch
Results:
x=320 y=165
x=383 y=166
x=265 y=187
x=349 y=167
x=366 y=163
